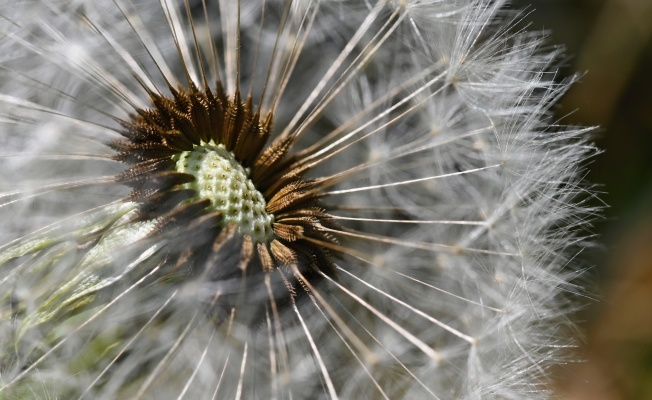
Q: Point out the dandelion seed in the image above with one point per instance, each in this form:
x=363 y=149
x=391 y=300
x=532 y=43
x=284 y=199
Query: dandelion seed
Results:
x=282 y=199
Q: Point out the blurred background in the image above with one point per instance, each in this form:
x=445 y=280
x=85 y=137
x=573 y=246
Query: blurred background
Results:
x=610 y=41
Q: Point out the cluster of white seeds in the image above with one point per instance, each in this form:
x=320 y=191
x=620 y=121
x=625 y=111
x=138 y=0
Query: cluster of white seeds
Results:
x=221 y=179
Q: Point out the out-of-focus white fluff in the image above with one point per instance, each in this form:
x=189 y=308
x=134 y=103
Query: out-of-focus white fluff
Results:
x=463 y=229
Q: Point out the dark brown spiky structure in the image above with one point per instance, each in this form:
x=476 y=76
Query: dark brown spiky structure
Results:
x=198 y=241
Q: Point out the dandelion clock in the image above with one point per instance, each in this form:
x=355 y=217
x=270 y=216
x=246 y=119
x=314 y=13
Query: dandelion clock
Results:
x=277 y=199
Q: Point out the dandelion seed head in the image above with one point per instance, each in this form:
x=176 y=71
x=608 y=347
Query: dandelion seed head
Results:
x=283 y=199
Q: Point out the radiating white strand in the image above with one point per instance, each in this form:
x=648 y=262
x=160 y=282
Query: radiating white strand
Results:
x=272 y=74
x=57 y=223
x=356 y=66
x=454 y=249
x=402 y=331
x=195 y=44
x=394 y=357
x=410 y=181
x=364 y=26
x=80 y=327
x=317 y=354
x=498 y=310
x=219 y=381
x=379 y=102
x=229 y=33
x=85 y=68
x=199 y=363
x=382 y=115
x=533 y=363
x=42 y=86
x=238 y=393
x=412 y=308
x=226 y=362
x=353 y=353
x=143 y=34
x=53 y=188
x=433 y=144
x=348 y=173
x=163 y=363
x=297 y=48
x=34 y=107
x=254 y=64
x=63 y=157
x=422 y=41
x=408 y=221
x=178 y=33
x=280 y=336
x=368 y=354
x=143 y=77
x=129 y=343
x=272 y=358
x=215 y=61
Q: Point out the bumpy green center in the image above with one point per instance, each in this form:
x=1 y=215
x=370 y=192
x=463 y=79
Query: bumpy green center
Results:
x=222 y=180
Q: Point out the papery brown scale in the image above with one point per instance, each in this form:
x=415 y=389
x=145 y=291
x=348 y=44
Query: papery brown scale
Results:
x=139 y=194
x=284 y=178
x=180 y=121
x=280 y=197
x=282 y=254
x=265 y=165
x=138 y=131
x=295 y=195
x=246 y=138
x=310 y=258
x=141 y=170
x=232 y=119
x=226 y=234
x=182 y=100
x=316 y=260
x=159 y=116
x=156 y=151
x=288 y=232
x=121 y=147
x=313 y=211
x=265 y=257
x=159 y=181
x=199 y=117
x=257 y=144
x=176 y=140
x=215 y=107
x=306 y=222
x=247 y=252
x=223 y=256
x=220 y=93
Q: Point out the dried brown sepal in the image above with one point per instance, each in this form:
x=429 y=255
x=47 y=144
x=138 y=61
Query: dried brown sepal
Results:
x=226 y=234
x=265 y=258
x=283 y=254
x=290 y=233
x=246 y=252
x=266 y=166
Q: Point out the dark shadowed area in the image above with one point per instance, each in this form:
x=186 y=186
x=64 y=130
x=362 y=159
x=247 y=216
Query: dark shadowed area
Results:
x=611 y=41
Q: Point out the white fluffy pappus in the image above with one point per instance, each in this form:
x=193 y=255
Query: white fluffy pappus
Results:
x=427 y=208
